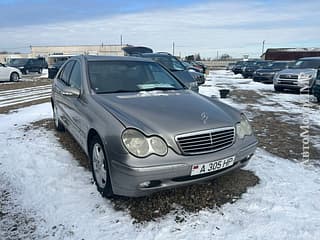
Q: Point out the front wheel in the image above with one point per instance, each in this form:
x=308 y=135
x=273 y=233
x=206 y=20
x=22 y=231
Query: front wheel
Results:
x=99 y=166
x=14 y=77
x=40 y=70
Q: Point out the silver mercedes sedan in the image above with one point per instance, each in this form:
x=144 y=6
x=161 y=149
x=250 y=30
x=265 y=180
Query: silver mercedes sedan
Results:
x=142 y=129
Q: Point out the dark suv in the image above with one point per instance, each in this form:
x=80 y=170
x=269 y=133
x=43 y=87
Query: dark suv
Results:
x=191 y=79
x=27 y=65
x=251 y=67
x=316 y=86
x=266 y=74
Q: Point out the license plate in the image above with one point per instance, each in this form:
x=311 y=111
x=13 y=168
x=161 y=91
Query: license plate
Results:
x=212 y=166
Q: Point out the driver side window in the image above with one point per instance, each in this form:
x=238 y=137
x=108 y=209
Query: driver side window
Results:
x=75 y=77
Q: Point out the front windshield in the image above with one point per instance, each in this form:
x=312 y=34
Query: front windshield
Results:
x=21 y=61
x=277 y=65
x=130 y=76
x=306 y=64
x=169 y=62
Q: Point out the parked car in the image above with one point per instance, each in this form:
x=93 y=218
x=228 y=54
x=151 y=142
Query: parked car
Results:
x=27 y=65
x=9 y=73
x=200 y=66
x=252 y=66
x=177 y=68
x=237 y=68
x=266 y=73
x=299 y=76
x=136 y=51
x=230 y=66
x=142 y=129
x=196 y=74
x=316 y=86
x=55 y=62
x=191 y=67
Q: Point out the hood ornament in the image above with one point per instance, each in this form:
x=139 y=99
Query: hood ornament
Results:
x=204 y=117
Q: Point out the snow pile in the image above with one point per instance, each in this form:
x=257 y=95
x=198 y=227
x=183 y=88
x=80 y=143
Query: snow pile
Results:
x=50 y=183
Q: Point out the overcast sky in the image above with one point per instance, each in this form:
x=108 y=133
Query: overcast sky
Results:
x=196 y=26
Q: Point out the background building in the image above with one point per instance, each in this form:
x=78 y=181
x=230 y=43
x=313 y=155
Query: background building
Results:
x=44 y=51
x=290 y=53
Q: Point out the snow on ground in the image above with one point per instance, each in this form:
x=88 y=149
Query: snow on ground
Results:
x=270 y=101
x=23 y=95
x=52 y=187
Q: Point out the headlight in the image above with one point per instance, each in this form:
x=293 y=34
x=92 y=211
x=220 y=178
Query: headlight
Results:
x=21 y=67
x=304 y=76
x=243 y=128
x=141 y=146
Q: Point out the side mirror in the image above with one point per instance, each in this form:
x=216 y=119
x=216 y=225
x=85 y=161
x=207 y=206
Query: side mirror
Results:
x=71 y=92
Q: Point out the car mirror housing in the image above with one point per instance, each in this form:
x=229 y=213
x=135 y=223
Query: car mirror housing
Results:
x=71 y=92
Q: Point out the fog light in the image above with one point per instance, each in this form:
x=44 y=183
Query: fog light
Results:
x=144 y=184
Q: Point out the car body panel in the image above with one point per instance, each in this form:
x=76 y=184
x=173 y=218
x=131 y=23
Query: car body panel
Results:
x=156 y=113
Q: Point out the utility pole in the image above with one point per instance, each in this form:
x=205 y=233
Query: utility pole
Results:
x=121 y=39
x=263 y=42
x=173 y=48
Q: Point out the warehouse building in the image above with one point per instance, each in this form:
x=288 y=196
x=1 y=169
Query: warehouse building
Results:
x=288 y=54
x=45 y=51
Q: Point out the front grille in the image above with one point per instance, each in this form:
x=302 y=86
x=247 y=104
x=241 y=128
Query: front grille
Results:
x=206 y=141
x=287 y=82
x=288 y=76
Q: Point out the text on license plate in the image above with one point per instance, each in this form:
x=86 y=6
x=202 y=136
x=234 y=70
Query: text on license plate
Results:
x=212 y=166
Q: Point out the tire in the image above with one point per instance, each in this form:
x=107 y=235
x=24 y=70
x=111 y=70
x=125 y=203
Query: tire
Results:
x=26 y=71
x=318 y=99
x=57 y=123
x=14 y=77
x=40 y=70
x=278 y=89
x=99 y=167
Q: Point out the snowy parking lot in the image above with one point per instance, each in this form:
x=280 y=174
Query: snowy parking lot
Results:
x=46 y=190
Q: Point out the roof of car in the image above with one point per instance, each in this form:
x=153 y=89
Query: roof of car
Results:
x=309 y=58
x=156 y=55
x=115 y=58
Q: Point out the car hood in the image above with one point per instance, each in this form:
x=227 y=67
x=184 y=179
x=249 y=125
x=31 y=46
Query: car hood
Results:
x=168 y=113
x=298 y=71
x=268 y=70
x=13 y=68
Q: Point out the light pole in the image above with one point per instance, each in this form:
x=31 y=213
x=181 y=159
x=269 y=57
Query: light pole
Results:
x=173 y=48
x=263 y=42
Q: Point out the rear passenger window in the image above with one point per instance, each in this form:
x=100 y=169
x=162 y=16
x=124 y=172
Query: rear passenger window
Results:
x=75 y=77
x=64 y=76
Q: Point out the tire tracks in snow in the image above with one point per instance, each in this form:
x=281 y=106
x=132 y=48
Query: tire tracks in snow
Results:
x=24 y=95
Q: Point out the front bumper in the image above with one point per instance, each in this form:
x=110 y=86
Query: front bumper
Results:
x=293 y=84
x=263 y=78
x=128 y=180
